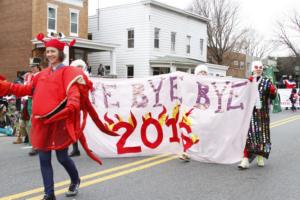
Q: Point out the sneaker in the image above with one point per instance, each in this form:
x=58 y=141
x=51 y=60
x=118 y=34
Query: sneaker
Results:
x=244 y=164
x=260 y=161
x=74 y=153
x=73 y=189
x=184 y=157
x=49 y=197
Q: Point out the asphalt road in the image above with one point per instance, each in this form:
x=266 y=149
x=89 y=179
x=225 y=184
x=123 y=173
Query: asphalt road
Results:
x=164 y=177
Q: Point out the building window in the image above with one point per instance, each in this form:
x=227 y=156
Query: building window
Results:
x=90 y=36
x=160 y=70
x=130 y=71
x=173 y=41
x=52 y=16
x=156 y=37
x=236 y=63
x=248 y=65
x=188 y=44
x=130 y=37
x=106 y=70
x=242 y=64
x=201 y=46
x=180 y=69
x=74 y=22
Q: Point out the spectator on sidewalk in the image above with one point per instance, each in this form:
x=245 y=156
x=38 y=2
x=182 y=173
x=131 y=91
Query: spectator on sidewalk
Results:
x=5 y=122
x=293 y=98
x=35 y=70
x=89 y=68
x=100 y=70
x=21 y=106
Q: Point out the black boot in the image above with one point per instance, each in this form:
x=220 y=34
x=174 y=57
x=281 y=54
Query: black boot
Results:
x=74 y=153
x=26 y=139
x=49 y=197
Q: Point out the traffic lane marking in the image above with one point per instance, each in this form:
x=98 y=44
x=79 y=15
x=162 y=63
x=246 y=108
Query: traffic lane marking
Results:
x=89 y=176
x=112 y=176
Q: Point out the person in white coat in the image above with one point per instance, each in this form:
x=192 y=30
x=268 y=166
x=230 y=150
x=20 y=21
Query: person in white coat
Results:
x=81 y=64
x=200 y=70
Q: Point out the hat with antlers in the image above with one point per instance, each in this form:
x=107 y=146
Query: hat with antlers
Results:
x=54 y=42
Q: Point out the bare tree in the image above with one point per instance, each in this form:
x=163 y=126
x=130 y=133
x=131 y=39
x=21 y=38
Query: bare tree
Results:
x=224 y=35
x=255 y=45
x=284 y=34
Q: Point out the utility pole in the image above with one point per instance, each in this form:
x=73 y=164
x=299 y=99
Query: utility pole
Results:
x=98 y=15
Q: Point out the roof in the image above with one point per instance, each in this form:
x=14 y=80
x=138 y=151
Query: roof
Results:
x=175 y=60
x=215 y=66
x=78 y=3
x=160 y=5
x=176 y=10
x=83 y=43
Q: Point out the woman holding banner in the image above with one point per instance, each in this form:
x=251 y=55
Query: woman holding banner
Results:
x=258 y=143
x=200 y=70
x=82 y=65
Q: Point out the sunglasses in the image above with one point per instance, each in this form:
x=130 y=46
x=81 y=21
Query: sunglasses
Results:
x=258 y=67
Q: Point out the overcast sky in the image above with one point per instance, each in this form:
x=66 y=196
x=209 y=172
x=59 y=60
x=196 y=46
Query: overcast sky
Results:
x=258 y=14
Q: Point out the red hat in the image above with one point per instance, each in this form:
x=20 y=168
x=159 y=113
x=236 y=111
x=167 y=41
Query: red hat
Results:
x=54 y=42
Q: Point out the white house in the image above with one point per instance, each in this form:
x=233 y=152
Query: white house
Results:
x=154 y=38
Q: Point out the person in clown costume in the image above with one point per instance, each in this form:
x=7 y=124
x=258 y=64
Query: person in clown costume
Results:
x=258 y=142
x=59 y=98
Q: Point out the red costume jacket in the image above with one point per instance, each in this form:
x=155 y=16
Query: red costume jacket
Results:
x=57 y=99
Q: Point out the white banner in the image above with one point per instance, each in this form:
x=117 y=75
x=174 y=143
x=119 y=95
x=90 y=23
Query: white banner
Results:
x=164 y=114
x=285 y=98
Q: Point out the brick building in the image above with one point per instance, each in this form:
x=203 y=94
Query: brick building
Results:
x=235 y=61
x=22 y=20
